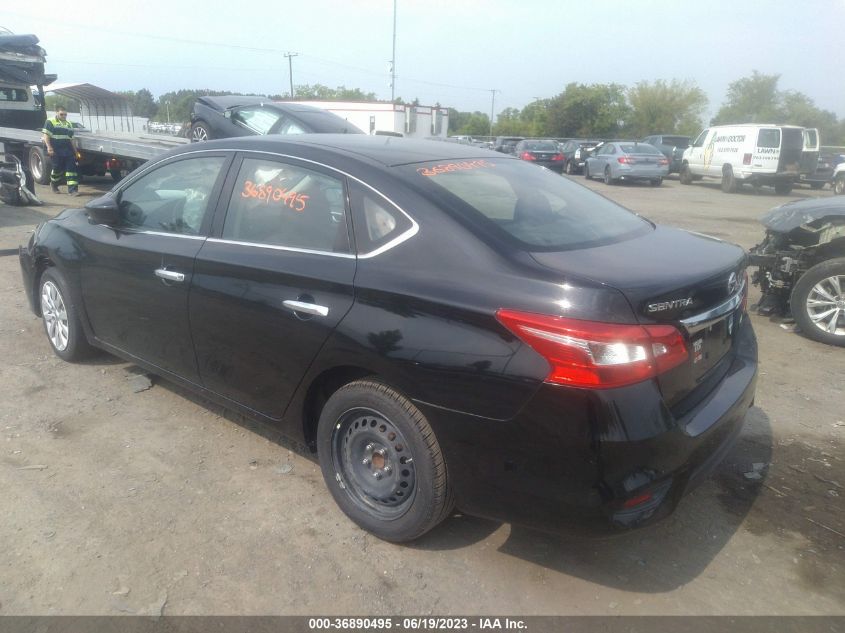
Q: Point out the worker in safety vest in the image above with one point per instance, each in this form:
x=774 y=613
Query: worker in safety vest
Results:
x=61 y=146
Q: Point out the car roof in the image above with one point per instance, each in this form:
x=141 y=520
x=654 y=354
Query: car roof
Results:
x=388 y=151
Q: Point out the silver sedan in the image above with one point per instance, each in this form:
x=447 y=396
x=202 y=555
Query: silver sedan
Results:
x=627 y=160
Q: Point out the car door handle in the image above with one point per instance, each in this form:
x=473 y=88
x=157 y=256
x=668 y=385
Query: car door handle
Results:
x=170 y=275
x=306 y=308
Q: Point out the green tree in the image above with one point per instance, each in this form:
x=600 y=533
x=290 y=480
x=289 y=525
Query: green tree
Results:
x=674 y=108
x=753 y=99
x=584 y=111
x=510 y=123
x=319 y=92
x=798 y=109
x=52 y=101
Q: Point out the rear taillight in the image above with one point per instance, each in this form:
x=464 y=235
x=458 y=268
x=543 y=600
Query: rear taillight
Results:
x=557 y=157
x=663 y=161
x=597 y=355
x=526 y=156
x=626 y=160
x=746 y=159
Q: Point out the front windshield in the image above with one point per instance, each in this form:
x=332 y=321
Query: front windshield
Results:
x=532 y=206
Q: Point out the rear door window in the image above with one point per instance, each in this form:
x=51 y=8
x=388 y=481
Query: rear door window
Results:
x=532 y=207
x=768 y=137
x=282 y=204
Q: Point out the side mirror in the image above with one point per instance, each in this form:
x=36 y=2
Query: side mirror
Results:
x=227 y=114
x=103 y=210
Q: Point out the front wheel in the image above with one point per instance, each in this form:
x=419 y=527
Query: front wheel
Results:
x=685 y=175
x=839 y=185
x=61 y=319
x=608 y=179
x=381 y=461
x=587 y=171
x=200 y=132
x=569 y=170
x=818 y=302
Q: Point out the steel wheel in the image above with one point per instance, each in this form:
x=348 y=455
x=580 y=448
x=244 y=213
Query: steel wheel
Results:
x=55 y=316
x=381 y=461
x=375 y=461
x=818 y=302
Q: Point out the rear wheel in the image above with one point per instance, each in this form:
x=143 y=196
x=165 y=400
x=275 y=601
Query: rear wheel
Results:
x=587 y=171
x=569 y=170
x=783 y=187
x=729 y=183
x=839 y=185
x=818 y=302
x=381 y=461
x=656 y=182
x=61 y=320
x=685 y=176
x=608 y=179
x=40 y=165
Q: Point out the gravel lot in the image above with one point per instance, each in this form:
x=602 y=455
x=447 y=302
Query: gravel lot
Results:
x=117 y=502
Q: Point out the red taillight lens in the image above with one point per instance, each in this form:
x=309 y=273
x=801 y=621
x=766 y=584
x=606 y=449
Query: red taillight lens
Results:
x=746 y=159
x=113 y=163
x=597 y=355
x=526 y=156
x=557 y=157
x=626 y=160
x=663 y=161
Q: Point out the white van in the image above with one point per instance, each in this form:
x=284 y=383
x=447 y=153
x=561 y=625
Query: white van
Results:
x=750 y=153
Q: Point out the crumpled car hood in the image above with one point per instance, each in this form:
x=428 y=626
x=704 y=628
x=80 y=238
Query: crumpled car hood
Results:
x=791 y=215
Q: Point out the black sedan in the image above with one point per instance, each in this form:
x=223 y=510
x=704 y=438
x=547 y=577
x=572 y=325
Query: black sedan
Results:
x=443 y=325
x=543 y=153
x=224 y=117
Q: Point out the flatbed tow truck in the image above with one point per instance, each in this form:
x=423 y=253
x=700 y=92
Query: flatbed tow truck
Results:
x=23 y=112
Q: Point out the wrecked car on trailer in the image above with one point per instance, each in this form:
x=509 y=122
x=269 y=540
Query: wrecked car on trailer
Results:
x=801 y=266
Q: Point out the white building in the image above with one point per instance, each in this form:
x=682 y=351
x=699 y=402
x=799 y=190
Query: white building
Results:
x=378 y=117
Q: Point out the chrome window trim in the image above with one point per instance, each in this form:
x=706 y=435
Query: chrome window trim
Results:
x=157 y=233
x=402 y=237
x=705 y=319
x=275 y=247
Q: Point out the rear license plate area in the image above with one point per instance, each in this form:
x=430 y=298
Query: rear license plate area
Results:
x=709 y=345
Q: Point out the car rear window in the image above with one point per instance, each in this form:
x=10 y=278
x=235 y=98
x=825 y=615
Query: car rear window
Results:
x=676 y=141
x=533 y=207
x=541 y=146
x=768 y=137
x=638 y=148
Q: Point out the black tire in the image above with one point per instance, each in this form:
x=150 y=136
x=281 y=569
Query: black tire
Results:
x=568 y=168
x=587 y=172
x=116 y=174
x=729 y=183
x=816 y=185
x=783 y=187
x=381 y=462
x=656 y=182
x=810 y=302
x=685 y=176
x=40 y=165
x=608 y=180
x=61 y=318
x=839 y=185
x=200 y=132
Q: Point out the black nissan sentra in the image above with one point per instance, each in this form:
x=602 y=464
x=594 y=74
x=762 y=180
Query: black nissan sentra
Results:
x=443 y=325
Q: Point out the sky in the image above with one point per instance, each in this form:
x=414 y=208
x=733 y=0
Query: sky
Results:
x=451 y=52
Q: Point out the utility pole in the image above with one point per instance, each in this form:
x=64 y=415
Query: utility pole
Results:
x=393 y=58
x=290 y=57
x=492 y=108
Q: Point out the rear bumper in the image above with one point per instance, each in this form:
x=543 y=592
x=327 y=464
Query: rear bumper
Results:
x=575 y=460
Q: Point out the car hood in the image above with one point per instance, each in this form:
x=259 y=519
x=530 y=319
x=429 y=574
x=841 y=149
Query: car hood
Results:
x=791 y=215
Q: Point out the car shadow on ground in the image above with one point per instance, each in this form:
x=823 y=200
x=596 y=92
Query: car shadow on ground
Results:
x=658 y=558
x=11 y=216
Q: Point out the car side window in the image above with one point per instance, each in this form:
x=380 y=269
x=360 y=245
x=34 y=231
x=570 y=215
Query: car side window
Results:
x=289 y=126
x=173 y=198
x=699 y=142
x=256 y=119
x=281 y=204
x=376 y=220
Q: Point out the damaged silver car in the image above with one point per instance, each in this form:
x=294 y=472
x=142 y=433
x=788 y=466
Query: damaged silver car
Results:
x=801 y=266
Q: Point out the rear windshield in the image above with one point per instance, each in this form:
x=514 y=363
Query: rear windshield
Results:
x=536 y=208
x=768 y=137
x=638 y=148
x=541 y=146
x=676 y=141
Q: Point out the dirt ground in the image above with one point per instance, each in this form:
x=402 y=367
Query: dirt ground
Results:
x=157 y=502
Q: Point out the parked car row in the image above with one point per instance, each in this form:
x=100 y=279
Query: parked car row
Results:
x=164 y=128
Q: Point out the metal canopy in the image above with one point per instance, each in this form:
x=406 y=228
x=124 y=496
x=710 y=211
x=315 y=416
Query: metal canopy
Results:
x=109 y=110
